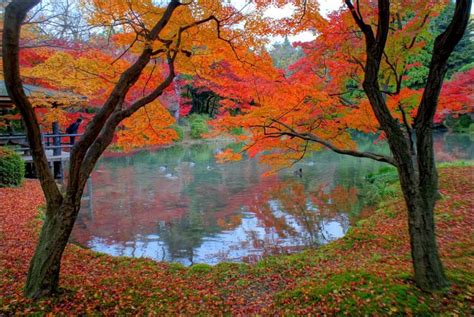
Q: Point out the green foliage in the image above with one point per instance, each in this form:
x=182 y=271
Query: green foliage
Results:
x=179 y=131
x=237 y=131
x=466 y=67
x=380 y=186
x=199 y=125
x=416 y=76
x=462 y=124
x=354 y=91
x=12 y=168
x=284 y=54
x=10 y=126
x=460 y=60
x=462 y=54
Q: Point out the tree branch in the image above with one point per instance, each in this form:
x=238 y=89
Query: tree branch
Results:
x=126 y=81
x=443 y=47
x=313 y=138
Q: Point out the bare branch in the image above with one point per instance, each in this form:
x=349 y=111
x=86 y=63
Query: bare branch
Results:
x=443 y=47
x=313 y=138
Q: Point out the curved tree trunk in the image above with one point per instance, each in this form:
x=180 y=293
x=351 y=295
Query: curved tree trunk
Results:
x=415 y=164
x=43 y=274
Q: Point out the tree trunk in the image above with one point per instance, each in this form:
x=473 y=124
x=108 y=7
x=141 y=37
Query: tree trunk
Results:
x=43 y=275
x=429 y=273
x=420 y=200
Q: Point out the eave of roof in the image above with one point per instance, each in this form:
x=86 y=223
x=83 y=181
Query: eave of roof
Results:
x=32 y=89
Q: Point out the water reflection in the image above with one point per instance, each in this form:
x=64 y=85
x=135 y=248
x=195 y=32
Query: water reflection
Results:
x=177 y=204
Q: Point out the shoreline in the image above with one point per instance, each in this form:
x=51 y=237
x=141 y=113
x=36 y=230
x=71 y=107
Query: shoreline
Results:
x=366 y=272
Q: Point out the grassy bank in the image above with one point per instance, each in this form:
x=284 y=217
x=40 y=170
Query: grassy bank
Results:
x=366 y=272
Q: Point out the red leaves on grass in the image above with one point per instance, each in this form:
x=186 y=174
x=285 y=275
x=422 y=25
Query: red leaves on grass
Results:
x=369 y=268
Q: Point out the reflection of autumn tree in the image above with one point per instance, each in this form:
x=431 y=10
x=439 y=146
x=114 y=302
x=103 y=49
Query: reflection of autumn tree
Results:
x=174 y=190
x=183 y=235
x=296 y=213
x=172 y=201
x=183 y=196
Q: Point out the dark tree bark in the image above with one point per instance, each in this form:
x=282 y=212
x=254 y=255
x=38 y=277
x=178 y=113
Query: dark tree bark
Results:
x=414 y=159
x=62 y=208
x=415 y=163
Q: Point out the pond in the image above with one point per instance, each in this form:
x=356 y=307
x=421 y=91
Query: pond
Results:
x=177 y=204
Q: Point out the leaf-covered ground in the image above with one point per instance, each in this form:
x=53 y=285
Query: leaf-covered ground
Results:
x=367 y=272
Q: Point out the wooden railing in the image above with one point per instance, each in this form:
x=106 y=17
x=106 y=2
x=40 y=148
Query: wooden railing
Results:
x=50 y=142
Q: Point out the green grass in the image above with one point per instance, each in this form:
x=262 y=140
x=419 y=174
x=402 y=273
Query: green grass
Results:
x=459 y=163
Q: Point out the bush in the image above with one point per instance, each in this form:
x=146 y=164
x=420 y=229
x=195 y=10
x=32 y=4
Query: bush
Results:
x=179 y=131
x=379 y=186
x=12 y=168
x=198 y=125
x=459 y=125
x=237 y=131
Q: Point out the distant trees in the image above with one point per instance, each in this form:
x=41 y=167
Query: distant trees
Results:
x=284 y=54
x=460 y=60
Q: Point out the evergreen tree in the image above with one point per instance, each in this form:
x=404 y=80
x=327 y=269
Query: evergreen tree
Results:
x=284 y=54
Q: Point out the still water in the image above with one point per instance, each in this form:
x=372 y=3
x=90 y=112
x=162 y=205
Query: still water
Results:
x=177 y=204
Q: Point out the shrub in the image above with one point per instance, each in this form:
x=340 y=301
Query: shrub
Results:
x=12 y=168
x=237 y=131
x=179 y=131
x=460 y=125
x=198 y=126
x=379 y=186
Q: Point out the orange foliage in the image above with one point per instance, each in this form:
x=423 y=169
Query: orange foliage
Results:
x=93 y=70
x=322 y=97
x=148 y=126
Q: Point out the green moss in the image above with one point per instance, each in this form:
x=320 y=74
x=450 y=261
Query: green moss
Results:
x=358 y=293
x=200 y=268
x=174 y=267
x=460 y=163
x=461 y=277
x=41 y=213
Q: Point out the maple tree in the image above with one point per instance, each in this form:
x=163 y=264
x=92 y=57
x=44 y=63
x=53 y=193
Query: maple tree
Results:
x=180 y=37
x=352 y=78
